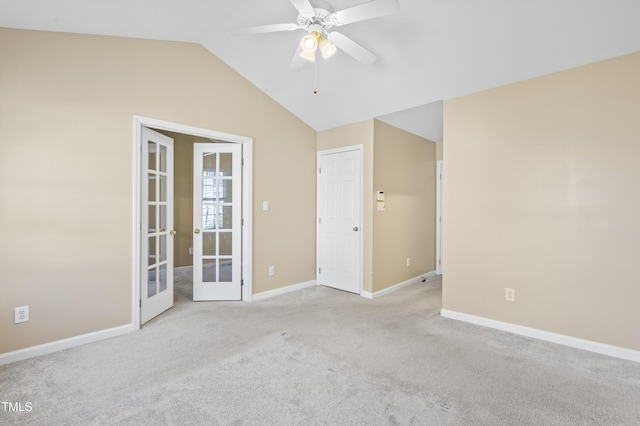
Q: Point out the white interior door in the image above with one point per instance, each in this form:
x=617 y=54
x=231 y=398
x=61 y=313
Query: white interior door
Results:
x=156 y=292
x=217 y=221
x=339 y=219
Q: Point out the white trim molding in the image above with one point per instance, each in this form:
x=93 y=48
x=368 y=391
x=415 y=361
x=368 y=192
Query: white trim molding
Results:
x=547 y=336
x=419 y=278
x=439 y=182
x=366 y=294
x=59 y=345
x=282 y=290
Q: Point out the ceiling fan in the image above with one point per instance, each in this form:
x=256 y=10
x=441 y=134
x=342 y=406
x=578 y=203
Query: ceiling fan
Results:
x=317 y=19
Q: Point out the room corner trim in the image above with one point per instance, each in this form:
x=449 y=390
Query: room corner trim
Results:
x=419 y=278
x=366 y=294
x=282 y=290
x=561 y=339
x=58 y=345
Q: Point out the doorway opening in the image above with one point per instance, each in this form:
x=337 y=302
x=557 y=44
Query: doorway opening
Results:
x=182 y=239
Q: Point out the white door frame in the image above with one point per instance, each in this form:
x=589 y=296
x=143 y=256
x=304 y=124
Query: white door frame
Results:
x=247 y=232
x=439 y=188
x=360 y=149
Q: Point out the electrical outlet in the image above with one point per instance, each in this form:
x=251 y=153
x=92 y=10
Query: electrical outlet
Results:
x=21 y=314
x=272 y=271
x=408 y=261
x=510 y=294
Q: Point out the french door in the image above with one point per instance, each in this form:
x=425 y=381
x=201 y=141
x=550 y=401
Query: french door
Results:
x=339 y=215
x=217 y=221
x=156 y=292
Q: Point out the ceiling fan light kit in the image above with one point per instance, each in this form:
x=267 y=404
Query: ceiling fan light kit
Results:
x=309 y=43
x=317 y=17
x=308 y=56
x=314 y=41
x=327 y=48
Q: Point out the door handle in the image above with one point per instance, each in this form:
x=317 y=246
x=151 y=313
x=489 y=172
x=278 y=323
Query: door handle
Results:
x=197 y=231
x=355 y=228
x=172 y=232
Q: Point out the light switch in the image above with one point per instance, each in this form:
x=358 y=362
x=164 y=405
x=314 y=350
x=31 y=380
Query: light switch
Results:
x=265 y=206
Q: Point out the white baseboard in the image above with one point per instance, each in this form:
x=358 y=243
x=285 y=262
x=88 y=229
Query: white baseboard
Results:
x=574 y=342
x=419 y=278
x=366 y=294
x=283 y=290
x=59 y=345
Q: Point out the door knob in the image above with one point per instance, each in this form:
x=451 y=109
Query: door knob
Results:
x=355 y=228
x=197 y=231
x=172 y=232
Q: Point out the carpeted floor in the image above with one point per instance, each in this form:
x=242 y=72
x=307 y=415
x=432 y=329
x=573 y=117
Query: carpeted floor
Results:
x=321 y=357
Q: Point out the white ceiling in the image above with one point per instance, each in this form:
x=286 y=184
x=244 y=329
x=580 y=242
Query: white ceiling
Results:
x=431 y=50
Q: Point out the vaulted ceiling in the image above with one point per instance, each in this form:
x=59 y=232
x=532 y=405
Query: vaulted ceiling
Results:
x=429 y=51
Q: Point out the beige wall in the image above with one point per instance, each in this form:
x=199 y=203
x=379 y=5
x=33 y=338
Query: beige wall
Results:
x=66 y=220
x=358 y=134
x=183 y=195
x=439 y=147
x=540 y=195
x=405 y=168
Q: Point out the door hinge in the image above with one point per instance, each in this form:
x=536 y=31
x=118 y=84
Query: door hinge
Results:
x=320 y=170
x=319 y=270
x=242 y=222
x=241 y=283
x=141 y=303
x=320 y=221
x=242 y=162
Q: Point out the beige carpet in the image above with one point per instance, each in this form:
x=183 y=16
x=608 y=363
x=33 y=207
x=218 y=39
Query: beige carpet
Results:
x=321 y=357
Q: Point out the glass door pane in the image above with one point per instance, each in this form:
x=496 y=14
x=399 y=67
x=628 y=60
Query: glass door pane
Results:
x=156 y=293
x=217 y=241
x=217 y=210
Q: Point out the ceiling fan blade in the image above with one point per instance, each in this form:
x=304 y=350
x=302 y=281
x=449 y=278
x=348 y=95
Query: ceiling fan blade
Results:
x=361 y=12
x=303 y=6
x=261 y=29
x=297 y=62
x=352 y=48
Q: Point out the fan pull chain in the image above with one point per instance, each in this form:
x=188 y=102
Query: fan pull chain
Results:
x=315 y=78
